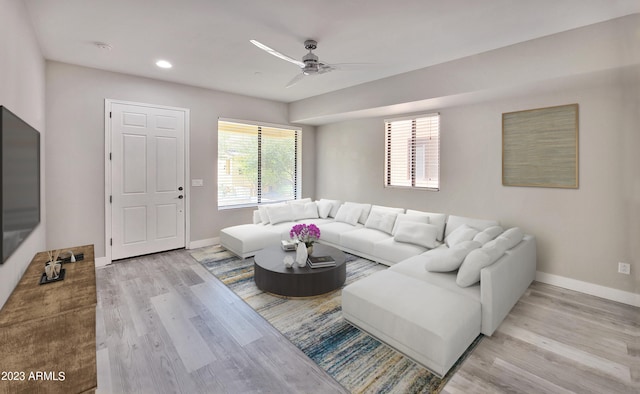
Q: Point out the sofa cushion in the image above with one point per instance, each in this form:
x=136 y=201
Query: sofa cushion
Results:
x=331 y=232
x=453 y=222
x=366 y=208
x=437 y=219
x=324 y=207
x=448 y=259
x=469 y=272
x=381 y=220
x=348 y=214
x=335 y=205
x=246 y=239
x=403 y=217
x=391 y=251
x=381 y=208
x=264 y=214
x=417 y=233
x=256 y=217
x=460 y=234
x=488 y=234
x=435 y=332
x=304 y=210
x=512 y=236
x=279 y=213
x=362 y=240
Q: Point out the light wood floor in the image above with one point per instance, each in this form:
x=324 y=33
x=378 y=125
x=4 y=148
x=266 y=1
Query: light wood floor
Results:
x=166 y=325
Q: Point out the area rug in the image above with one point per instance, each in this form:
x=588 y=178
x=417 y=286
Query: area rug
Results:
x=315 y=325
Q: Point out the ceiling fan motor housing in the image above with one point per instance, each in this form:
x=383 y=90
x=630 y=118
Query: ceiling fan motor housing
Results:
x=310 y=63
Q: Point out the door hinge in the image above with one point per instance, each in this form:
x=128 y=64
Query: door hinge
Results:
x=111 y=199
x=109 y=155
x=110 y=114
x=111 y=241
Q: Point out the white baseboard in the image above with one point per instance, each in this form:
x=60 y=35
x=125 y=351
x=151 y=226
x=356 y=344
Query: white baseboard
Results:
x=608 y=293
x=203 y=242
x=102 y=261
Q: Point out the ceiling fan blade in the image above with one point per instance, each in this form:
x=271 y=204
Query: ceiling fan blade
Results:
x=295 y=80
x=349 y=66
x=276 y=53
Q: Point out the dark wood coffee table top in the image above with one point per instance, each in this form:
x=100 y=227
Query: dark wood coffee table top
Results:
x=272 y=276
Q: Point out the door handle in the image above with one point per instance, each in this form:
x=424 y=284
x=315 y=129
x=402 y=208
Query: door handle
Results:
x=181 y=196
x=180 y=188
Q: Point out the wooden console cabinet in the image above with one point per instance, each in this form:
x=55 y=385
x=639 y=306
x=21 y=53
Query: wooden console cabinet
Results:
x=48 y=332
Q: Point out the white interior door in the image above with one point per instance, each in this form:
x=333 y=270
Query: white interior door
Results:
x=147 y=180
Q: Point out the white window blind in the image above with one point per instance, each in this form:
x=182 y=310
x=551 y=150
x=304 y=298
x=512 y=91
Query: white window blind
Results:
x=256 y=164
x=412 y=152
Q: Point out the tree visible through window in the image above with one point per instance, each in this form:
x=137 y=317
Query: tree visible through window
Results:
x=256 y=164
x=412 y=152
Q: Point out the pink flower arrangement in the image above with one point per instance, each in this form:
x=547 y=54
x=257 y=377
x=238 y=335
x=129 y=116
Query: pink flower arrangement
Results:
x=305 y=233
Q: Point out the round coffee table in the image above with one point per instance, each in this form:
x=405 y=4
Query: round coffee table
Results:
x=272 y=276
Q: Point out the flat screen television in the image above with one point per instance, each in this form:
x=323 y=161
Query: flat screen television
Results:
x=20 y=193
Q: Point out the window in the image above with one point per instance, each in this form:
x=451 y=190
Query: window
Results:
x=256 y=163
x=412 y=152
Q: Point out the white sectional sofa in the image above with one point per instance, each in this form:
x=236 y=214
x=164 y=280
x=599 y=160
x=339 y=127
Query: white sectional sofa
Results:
x=450 y=277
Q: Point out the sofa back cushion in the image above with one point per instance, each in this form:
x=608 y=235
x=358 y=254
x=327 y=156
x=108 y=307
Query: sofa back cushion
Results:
x=381 y=220
x=437 y=219
x=488 y=234
x=349 y=214
x=421 y=234
x=304 y=210
x=453 y=222
x=327 y=208
x=279 y=213
x=364 y=213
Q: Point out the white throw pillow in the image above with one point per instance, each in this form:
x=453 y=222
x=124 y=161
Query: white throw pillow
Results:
x=403 y=217
x=364 y=213
x=460 y=234
x=449 y=259
x=437 y=219
x=310 y=211
x=469 y=272
x=382 y=221
x=416 y=233
x=488 y=234
x=280 y=213
x=335 y=205
x=297 y=210
x=256 y=217
x=512 y=237
x=348 y=214
x=324 y=208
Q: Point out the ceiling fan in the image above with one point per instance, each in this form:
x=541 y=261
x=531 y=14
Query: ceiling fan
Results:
x=310 y=64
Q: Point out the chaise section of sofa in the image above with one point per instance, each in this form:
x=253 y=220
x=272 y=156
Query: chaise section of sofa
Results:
x=406 y=304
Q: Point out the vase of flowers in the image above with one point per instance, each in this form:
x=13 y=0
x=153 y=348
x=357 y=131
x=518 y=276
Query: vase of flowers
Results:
x=305 y=233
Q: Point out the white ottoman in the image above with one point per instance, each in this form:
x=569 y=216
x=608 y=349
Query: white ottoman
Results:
x=430 y=324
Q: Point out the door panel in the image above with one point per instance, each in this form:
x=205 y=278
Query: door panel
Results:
x=147 y=172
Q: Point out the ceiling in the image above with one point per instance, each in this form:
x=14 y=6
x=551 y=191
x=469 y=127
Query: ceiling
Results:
x=208 y=40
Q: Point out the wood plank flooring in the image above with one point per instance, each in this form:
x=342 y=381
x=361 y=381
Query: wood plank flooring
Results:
x=166 y=325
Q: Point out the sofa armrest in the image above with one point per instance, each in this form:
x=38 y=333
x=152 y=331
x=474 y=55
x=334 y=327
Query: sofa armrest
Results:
x=502 y=283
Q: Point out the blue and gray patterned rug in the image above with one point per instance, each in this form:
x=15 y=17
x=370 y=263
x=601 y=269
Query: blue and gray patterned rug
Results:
x=315 y=325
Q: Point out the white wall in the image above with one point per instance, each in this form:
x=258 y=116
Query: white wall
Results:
x=75 y=147
x=22 y=90
x=581 y=233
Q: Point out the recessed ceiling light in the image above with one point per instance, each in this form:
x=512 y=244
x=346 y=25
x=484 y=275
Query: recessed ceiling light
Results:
x=103 y=45
x=163 y=64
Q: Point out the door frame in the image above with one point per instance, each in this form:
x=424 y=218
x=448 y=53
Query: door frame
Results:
x=108 y=231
